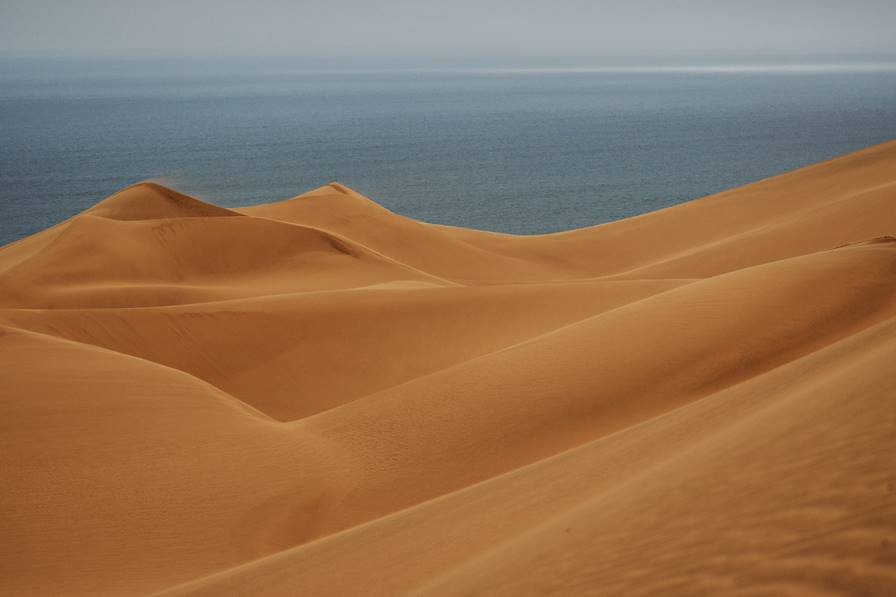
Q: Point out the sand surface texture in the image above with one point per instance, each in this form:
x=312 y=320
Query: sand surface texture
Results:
x=320 y=397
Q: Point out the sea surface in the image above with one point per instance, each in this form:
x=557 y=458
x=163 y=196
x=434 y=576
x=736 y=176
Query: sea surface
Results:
x=511 y=150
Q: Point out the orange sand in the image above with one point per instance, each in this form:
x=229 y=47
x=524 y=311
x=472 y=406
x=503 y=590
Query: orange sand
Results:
x=320 y=397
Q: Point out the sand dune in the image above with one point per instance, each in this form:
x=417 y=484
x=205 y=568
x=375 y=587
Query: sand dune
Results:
x=98 y=262
x=321 y=397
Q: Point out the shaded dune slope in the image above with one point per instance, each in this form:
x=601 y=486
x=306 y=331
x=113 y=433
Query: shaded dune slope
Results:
x=319 y=396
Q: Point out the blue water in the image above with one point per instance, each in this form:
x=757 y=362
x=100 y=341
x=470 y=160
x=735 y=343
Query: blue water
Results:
x=522 y=152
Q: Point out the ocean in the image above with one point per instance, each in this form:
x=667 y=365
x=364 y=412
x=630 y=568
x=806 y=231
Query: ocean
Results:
x=512 y=150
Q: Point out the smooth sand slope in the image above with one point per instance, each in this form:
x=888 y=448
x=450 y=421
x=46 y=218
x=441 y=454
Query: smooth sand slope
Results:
x=320 y=397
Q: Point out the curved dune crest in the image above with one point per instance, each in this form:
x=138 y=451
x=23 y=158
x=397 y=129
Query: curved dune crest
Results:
x=98 y=262
x=319 y=396
x=152 y=201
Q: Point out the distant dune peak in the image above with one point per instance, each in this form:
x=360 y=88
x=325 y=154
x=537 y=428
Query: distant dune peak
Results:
x=150 y=200
x=342 y=188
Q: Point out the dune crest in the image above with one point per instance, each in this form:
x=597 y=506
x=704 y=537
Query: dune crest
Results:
x=152 y=201
x=319 y=396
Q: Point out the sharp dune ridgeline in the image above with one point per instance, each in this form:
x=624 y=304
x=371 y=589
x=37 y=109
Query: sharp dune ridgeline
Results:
x=321 y=397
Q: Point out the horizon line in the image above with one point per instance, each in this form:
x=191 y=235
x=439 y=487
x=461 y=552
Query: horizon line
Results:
x=696 y=68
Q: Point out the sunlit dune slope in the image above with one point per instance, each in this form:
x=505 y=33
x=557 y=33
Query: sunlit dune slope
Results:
x=761 y=487
x=318 y=396
x=263 y=358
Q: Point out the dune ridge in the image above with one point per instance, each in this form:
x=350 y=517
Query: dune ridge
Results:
x=319 y=396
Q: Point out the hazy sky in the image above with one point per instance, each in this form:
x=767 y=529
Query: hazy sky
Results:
x=602 y=29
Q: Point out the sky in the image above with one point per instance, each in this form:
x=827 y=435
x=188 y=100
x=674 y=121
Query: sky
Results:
x=598 y=30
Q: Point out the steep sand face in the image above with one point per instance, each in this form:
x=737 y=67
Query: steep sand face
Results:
x=321 y=397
